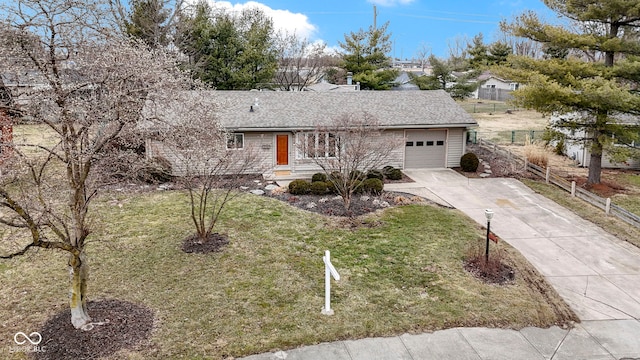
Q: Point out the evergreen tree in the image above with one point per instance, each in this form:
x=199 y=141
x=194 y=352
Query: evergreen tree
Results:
x=226 y=51
x=148 y=22
x=478 y=52
x=498 y=53
x=442 y=77
x=590 y=97
x=365 y=55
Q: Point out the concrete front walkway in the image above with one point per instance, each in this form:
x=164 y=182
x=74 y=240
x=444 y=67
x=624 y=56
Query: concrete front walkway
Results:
x=597 y=275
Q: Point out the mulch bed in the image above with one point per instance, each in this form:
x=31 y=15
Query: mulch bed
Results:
x=215 y=243
x=126 y=326
x=496 y=273
x=333 y=205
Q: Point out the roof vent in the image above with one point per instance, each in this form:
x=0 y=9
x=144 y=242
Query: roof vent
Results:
x=251 y=108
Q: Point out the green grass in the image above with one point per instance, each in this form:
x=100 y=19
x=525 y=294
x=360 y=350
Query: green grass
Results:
x=265 y=290
x=589 y=212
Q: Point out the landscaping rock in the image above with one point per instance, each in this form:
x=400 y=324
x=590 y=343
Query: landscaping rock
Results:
x=271 y=187
x=311 y=205
x=244 y=188
x=257 y=192
x=484 y=175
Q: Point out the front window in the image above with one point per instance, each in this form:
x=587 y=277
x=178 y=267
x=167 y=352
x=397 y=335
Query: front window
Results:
x=318 y=145
x=235 y=141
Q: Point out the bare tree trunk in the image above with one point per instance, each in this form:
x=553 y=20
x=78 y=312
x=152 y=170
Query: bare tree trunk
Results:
x=79 y=272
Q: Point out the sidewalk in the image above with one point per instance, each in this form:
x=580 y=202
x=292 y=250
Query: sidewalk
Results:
x=597 y=275
x=589 y=340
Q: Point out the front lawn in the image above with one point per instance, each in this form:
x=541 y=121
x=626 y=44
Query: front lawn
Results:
x=401 y=272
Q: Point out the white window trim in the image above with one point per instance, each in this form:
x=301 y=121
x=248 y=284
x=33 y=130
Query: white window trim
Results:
x=302 y=140
x=235 y=147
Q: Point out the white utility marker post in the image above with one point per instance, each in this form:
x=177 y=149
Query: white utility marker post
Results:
x=329 y=270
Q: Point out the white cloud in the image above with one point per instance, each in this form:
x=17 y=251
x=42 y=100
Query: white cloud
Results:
x=283 y=20
x=391 y=2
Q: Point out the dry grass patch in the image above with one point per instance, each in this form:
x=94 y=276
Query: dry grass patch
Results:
x=536 y=154
x=265 y=290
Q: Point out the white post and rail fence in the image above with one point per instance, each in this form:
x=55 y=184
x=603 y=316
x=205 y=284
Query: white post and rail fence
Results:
x=550 y=178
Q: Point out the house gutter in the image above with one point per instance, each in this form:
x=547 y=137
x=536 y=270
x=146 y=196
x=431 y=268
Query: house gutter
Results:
x=309 y=128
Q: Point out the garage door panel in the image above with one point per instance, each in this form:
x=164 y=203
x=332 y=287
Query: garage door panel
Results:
x=425 y=149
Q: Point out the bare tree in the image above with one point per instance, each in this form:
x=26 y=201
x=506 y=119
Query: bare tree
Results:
x=95 y=83
x=521 y=46
x=422 y=54
x=352 y=144
x=210 y=162
x=458 y=55
x=300 y=62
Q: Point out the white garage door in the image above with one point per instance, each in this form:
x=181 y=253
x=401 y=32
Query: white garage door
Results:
x=425 y=149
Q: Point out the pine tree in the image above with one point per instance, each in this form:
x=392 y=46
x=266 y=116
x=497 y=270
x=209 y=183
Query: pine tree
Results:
x=365 y=55
x=226 y=51
x=478 y=52
x=148 y=22
x=590 y=97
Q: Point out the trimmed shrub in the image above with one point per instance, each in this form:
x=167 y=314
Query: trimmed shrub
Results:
x=319 y=188
x=373 y=186
x=299 y=187
x=335 y=175
x=375 y=174
x=469 y=162
x=357 y=175
x=319 y=177
x=387 y=169
x=358 y=187
x=331 y=187
x=158 y=170
x=394 y=174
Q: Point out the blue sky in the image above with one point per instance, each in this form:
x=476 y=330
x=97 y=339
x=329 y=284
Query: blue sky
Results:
x=412 y=22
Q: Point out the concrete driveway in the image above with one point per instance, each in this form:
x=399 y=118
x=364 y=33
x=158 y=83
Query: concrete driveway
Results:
x=597 y=274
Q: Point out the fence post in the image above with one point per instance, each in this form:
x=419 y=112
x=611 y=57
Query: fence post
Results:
x=607 y=207
x=546 y=177
x=513 y=136
x=532 y=135
x=573 y=189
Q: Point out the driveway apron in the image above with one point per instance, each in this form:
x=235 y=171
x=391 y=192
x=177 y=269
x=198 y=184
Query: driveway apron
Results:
x=597 y=274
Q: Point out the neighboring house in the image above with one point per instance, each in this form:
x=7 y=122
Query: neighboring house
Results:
x=275 y=123
x=579 y=150
x=403 y=82
x=494 y=88
x=324 y=86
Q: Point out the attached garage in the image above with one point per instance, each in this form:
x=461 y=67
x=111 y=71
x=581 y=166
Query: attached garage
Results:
x=425 y=149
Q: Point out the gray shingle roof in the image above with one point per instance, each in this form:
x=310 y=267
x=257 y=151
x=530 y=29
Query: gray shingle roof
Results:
x=306 y=110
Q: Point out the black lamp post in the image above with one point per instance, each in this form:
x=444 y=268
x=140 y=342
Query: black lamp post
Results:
x=488 y=213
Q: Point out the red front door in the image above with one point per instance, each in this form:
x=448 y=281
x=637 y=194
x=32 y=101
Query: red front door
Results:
x=282 y=149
